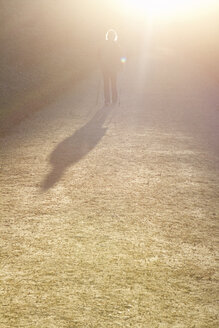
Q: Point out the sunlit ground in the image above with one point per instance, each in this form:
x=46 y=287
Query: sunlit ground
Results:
x=125 y=235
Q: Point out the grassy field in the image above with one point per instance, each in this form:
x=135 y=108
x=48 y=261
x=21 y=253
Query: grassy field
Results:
x=109 y=216
x=14 y=109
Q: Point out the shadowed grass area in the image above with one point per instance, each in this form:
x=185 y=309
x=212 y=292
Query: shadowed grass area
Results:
x=41 y=55
x=74 y=148
x=27 y=102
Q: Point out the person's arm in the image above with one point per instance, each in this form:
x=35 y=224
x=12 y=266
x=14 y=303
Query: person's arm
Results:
x=121 y=58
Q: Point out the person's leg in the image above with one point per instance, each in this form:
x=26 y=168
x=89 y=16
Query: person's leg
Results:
x=114 y=87
x=106 y=82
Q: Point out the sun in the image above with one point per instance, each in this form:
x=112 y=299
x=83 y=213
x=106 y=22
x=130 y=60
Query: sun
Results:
x=164 y=8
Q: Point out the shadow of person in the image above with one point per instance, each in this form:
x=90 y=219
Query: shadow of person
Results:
x=72 y=149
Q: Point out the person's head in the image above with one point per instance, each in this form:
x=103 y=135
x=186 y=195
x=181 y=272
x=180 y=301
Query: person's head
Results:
x=111 y=35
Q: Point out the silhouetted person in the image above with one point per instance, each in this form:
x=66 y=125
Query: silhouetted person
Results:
x=110 y=65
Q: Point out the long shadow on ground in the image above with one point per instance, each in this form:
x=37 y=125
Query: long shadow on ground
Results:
x=72 y=149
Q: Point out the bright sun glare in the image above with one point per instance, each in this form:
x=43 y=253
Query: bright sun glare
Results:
x=165 y=8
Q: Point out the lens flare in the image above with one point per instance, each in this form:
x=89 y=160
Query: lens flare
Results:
x=123 y=60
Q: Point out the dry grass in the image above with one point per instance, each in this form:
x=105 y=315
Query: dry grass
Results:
x=126 y=236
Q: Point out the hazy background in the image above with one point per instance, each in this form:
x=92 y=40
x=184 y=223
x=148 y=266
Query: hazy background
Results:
x=48 y=45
